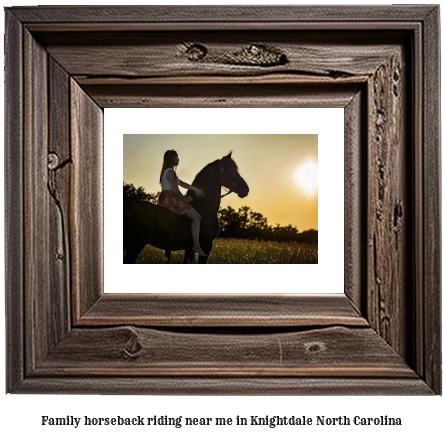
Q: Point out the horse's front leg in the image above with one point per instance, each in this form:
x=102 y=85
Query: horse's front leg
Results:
x=189 y=256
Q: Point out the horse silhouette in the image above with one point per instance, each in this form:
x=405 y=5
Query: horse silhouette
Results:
x=145 y=223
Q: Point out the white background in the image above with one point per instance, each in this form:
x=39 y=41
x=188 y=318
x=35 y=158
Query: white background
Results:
x=263 y=279
x=20 y=414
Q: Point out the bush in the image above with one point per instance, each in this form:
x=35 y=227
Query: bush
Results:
x=309 y=236
x=130 y=193
x=248 y=224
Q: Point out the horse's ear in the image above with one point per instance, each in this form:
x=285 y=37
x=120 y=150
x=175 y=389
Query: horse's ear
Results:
x=229 y=155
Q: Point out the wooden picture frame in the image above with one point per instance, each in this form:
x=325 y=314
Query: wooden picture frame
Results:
x=65 y=64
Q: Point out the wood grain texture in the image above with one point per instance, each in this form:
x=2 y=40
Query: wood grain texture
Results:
x=86 y=200
x=388 y=204
x=288 y=386
x=239 y=310
x=38 y=305
x=226 y=96
x=129 y=351
x=432 y=334
x=417 y=97
x=355 y=194
x=169 y=54
x=59 y=165
x=55 y=92
x=234 y=26
x=227 y=14
x=14 y=239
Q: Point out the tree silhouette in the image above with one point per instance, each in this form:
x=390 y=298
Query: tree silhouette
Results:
x=131 y=193
x=308 y=236
x=248 y=224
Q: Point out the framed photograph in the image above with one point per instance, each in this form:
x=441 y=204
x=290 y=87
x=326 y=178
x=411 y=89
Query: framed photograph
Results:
x=260 y=234
x=241 y=229
x=376 y=330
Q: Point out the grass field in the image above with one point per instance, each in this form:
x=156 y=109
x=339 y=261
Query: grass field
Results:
x=236 y=251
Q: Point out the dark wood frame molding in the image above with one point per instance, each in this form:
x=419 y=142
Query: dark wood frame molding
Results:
x=379 y=63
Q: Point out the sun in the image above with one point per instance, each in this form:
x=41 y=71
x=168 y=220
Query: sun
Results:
x=306 y=177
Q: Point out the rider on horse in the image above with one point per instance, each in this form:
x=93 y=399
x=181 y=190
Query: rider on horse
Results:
x=171 y=197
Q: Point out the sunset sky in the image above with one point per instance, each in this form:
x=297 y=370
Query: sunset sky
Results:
x=280 y=188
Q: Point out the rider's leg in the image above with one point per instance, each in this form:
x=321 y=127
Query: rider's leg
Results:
x=195 y=230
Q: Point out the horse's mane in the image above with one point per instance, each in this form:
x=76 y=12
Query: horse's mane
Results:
x=199 y=174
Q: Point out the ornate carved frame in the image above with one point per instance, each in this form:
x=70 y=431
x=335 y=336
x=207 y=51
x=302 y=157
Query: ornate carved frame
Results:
x=64 y=65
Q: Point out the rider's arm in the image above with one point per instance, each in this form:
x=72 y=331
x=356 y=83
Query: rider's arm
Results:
x=199 y=192
x=172 y=177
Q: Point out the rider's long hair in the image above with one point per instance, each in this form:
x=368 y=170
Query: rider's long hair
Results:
x=168 y=161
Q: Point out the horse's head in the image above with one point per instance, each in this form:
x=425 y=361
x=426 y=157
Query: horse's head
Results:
x=230 y=178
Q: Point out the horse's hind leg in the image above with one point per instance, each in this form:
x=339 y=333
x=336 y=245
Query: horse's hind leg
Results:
x=203 y=260
x=189 y=256
x=132 y=252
